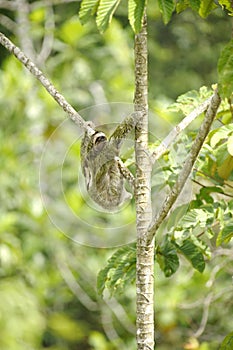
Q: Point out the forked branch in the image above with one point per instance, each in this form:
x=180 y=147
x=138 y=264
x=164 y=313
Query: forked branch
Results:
x=162 y=148
x=188 y=165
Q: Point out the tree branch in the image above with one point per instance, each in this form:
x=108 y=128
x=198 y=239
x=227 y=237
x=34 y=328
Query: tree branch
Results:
x=8 y=23
x=73 y=114
x=162 y=148
x=75 y=287
x=8 y=5
x=44 y=3
x=23 y=29
x=187 y=168
x=48 y=39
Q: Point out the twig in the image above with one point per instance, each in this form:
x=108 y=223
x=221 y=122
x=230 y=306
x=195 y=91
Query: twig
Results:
x=8 y=23
x=204 y=186
x=44 y=3
x=47 y=43
x=120 y=313
x=205 y=315
x=74 y=286
x=223 y=252
x=208 y=176
x=8 y=5
x=73 y=114
x=162 y=148
x=195 y=149
x=23 y=29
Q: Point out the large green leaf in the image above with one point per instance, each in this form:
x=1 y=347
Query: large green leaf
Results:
x=119 y=271
x=136 y=11
x=167 y=258
x=88 y=8
x=206 y=7
x=225 y=71
x=227 y=343
x=105 y=12
x=166 y=8
x=193 y=254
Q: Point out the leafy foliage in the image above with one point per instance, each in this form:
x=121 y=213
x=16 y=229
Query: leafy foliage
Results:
x=136 y=11
x=193 y=253
x=167 y=258
x=106 y=9
x=190 y=100
x=87 y=9
x=227 y=4
x=119 y=270
x=227 y=343
x=48 y=279
x=206 y=7
x=219 y=165
x=182 y=5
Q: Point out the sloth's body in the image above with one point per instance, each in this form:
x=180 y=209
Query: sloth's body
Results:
x=101 y=168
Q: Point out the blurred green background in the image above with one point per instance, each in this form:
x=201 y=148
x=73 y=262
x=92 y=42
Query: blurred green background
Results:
x=48 y=279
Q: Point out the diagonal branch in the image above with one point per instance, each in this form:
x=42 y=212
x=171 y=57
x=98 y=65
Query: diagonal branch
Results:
x=187 y=168
x=73 y=114
x=162 y=148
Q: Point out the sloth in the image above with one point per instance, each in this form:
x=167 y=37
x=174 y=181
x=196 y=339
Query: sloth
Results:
x=102 y=168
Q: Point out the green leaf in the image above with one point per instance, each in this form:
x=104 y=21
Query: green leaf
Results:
x=182 y=5
x=206 y=192
x=119 y=271
x=227 y=343
x=206 y=7
x=166 y=8
x=136 y=11
x=105 y=12
x=193 y=254
x=227 y=4
x=195 y=4
x=225 y=71
x=225 y=235
x=167 y=258
x=87 y=9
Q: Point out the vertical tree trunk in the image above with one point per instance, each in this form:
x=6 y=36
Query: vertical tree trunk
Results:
x=145 y=253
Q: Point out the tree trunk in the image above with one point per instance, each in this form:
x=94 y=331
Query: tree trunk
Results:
x=145 y=253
